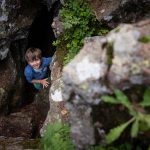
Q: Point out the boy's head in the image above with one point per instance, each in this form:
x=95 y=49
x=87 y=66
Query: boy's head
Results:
x=33 y=57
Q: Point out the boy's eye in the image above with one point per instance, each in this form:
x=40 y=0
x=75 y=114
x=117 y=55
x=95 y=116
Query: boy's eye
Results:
x=34 y=60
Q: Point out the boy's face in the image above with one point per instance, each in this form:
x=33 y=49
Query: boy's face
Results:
x=35 y=63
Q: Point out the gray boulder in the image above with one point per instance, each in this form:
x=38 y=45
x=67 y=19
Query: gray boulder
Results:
x=114 y=12
x=118 y=61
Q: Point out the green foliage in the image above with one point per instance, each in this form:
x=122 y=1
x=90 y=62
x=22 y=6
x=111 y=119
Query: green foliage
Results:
x=135 y=128
x=124 y=146
x=116 y=132
x=139 y=120
x=146 y=99
x=57 y=137
x=79 y=22
x=145 y=39
x=120 y=99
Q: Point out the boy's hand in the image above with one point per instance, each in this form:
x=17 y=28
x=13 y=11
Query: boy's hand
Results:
x=44 y=83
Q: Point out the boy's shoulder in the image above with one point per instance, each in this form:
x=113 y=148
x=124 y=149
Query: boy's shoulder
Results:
x=46 y=58
x=28 y=69
x=46 y=61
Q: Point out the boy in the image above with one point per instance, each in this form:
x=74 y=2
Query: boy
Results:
x=36 y=72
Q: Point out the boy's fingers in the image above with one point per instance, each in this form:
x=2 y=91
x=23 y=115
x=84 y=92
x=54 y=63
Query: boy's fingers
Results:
x=46 y=79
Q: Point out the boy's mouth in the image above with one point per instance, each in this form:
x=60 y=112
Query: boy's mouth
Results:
x=36 y=66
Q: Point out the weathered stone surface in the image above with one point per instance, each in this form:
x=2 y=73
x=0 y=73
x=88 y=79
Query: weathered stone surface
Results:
x=118 y=61
x=3 y=97
x=16 y=17
x=18 y=143
x=57 y=26
x=56 y=90
x=4 y=48
x=8 y=78
x=12 y=24
x=84 y=83
x=20 y=124
x=41 y=100
x=130 y=56
x=15 y=20
x=81 y=125
x=104 y=8
x=57 y=65
x=86 y=69
x=114 y=12
x=57 y=112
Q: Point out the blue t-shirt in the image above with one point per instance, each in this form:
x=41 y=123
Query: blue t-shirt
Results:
x=38 y=74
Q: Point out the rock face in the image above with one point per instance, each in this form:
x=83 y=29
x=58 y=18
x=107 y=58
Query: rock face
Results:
x=18 y=144
x=113 y=12
x=118 y=61
x=8 y=77
x=16 y=18
x=57 y=26
x=21 y=124
x=15 y=23
x=57 y=112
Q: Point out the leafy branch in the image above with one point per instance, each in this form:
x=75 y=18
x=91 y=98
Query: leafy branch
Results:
x=57 y=137
x=137 y=120
x=79 y=22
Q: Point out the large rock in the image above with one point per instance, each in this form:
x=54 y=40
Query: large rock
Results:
x=16 y=17
x=114 y=12
x=57 y=26
x=118 y=61
x=57 y=111
x=21 y=124
x=14 y=26
x=130 y=55
x=8 y=77
x=18 y=143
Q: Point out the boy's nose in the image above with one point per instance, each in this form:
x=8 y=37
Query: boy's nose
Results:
x=35 y=63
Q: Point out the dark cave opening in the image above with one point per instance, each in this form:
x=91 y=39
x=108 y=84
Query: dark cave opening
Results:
x=41 y=33
x=41 y=36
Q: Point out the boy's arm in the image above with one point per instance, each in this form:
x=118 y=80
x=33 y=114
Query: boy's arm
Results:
x=47 y=61
x=28 y=74
x=44 y=82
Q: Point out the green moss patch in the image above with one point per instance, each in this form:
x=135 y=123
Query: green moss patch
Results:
x=145 y=39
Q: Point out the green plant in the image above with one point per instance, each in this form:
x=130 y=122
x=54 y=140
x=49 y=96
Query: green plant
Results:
x=79 y=22
x=140 y=121
x=145 y=39
x=57 y=137
x=123 y=146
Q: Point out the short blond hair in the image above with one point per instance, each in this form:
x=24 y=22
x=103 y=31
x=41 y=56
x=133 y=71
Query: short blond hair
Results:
x=32 y=54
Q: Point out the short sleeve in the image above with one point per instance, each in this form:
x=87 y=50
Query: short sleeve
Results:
x=28 y=74
x=47 y=61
